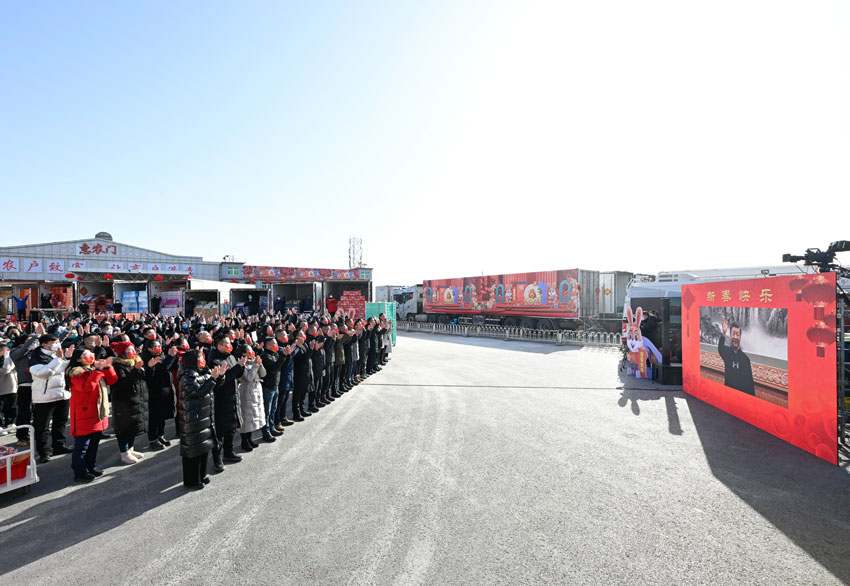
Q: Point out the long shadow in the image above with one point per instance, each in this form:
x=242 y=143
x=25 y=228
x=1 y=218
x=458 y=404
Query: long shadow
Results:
x=497 y=343
x=91 y=509
x=635 y=396
x=803 y=496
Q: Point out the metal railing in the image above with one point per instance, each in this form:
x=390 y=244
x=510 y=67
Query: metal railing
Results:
x=578 y=337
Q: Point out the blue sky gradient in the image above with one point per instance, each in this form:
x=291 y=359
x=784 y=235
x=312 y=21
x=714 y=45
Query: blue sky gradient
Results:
x=453 y=137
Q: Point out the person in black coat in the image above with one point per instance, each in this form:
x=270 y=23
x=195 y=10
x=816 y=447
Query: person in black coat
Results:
x=160 y=391
x=316 y=342
x=228 y=414
x=129 y=400
x=330 y=361
x=302 y=376
x=195 y=400
x=363 y=349
x=275 y=358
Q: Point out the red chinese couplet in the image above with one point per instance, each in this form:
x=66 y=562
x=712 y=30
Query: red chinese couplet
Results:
x=764 y=350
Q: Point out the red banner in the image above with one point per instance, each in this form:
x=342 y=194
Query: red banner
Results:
x=302 y=275
x=764 y=351
x=540 y=294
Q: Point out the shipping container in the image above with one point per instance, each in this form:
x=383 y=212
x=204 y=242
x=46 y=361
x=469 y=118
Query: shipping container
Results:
x=171 y=294
x=133 y=296
x=248 y=301
x=98 y=295
x=613 y=288
x=559 y=299
x=207 y=301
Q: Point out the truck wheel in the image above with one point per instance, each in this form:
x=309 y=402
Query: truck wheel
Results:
x=528 y=323
x=511 y=322
x=545 y=324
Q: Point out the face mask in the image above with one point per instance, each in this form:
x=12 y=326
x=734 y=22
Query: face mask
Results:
x=251 y=356
x=55 y=346
x=107 y=332
x=74 y=336
x=228 y=347
x=156 y=351
x=202 y=360
x=87 y=359
x=274 y=347
x=131 y=352
x=150 y=337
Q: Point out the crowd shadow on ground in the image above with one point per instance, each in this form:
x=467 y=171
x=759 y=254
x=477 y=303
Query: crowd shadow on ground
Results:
x=804 y=497
x=55 y=522
x=502 y=344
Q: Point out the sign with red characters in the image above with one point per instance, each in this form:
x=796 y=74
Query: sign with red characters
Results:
x=763 y=350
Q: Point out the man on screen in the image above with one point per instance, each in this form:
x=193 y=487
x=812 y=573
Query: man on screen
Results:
x=739 y=372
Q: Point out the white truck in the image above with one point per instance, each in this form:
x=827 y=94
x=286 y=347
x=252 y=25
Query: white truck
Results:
x=408 y=300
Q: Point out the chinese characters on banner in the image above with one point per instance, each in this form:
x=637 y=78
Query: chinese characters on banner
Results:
x=32 y=265
x=96 y=249
x=37 y=265
x=9 y=265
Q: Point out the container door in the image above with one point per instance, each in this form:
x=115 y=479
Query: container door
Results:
x=318 y=300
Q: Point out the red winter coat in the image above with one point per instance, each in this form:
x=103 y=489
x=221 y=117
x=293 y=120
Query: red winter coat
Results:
x=85 y=392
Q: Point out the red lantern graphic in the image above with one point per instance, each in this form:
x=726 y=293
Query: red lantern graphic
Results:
x=108 y=277
x=819 y=294
x=821 y=336
x=158 y=278
x=80 y=278
x=251 y=281
x=188 y=277
x=70 y=276
x=796 y=285
x=233 y=280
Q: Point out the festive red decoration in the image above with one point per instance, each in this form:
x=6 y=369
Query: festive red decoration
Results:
x=108 y=277
x=818 y=294
x=796 y=285
x=70 y=276
x=251 y=281
x=188 y=277
x=80 y=278
x=821 y=336
x=158 y=277
x=233 y=280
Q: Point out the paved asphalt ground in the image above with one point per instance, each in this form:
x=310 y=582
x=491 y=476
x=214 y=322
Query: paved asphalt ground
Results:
x=464 y=462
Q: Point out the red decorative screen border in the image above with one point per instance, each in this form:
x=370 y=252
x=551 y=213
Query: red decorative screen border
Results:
x=809 y=421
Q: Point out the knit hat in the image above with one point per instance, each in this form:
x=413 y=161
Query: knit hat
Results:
x=120 y=347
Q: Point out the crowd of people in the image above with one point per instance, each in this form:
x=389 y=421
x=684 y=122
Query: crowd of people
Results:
x=215 y=378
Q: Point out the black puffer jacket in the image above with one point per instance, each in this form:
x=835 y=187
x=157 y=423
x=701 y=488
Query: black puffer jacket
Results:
x=160 y=386
x=274 y=363
x=129 y=398
x=195 y=400
x=228 y=413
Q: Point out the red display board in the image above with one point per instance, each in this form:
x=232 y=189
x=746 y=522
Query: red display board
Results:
x=763 y=350
x=540 y=294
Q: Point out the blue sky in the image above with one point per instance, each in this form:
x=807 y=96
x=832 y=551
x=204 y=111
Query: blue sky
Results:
x=453 y=137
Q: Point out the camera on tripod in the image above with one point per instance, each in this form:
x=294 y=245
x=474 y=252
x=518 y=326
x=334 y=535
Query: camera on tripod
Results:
x=823 y=260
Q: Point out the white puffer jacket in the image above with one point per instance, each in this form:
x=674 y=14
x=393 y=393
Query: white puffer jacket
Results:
x=48 y=381
x=8 y=376
x=251 y=398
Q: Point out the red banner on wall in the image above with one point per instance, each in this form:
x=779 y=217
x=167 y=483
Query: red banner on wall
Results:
x=763 y=350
